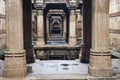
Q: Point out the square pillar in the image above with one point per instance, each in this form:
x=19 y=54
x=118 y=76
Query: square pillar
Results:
x=40 y=29
x=87 y=30
x=47 y=27
x=100 y=57
x=15 y=58
x=27 y=30
x=79 y=23
x=64 y=27
x=72 y=28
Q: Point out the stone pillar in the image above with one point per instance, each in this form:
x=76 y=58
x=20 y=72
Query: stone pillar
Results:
x=47 y=26
x=100 y=58
x=64 y=27
x=34 y=24
x=79 y=23
x=72 y=28
x=40 y=30
x=15 y=58
x=86 y=31
x=27 y=30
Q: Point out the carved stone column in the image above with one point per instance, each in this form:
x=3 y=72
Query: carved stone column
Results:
x=64 y=27
x=40 y=30
x=79 y=24
x=15 y=58
x=47 y=27
x=100 y=58
x=72 y=28
x=86 y=30
x=34 y=24
x=27 y=30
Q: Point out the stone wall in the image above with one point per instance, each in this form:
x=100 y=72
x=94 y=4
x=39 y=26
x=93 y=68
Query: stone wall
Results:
x=2 y=25
x=114 y=25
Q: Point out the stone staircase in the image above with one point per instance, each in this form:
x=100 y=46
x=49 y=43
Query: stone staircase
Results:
x=56 y=40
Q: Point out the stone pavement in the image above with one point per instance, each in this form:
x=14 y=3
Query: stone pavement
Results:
x=61 y=69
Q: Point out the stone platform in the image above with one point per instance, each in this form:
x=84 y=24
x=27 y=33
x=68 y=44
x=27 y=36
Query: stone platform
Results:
x=66 y=52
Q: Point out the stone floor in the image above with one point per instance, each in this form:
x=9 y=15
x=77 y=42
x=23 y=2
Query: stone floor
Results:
x=61 y=69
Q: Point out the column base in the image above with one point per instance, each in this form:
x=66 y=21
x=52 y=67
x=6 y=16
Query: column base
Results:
x=103 y=78
x=99 y=72
x=72 y=41
x=100 y=64
x=64 y=35
x=15 y=65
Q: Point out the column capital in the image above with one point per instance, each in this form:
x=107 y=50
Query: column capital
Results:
x=78 y=11
x=72 y=11
x=39 y=12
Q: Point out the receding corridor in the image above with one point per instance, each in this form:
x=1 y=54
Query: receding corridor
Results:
x=59 y=39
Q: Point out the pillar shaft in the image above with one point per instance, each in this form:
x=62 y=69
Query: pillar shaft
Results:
x=15 y=61
x=72 y=28
x=64 y=27
x=79 y=23
x=27 y=30
x=34 y=24
x=100 y=59
x=87 y=24
x=40 y=30
x=47 y=27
